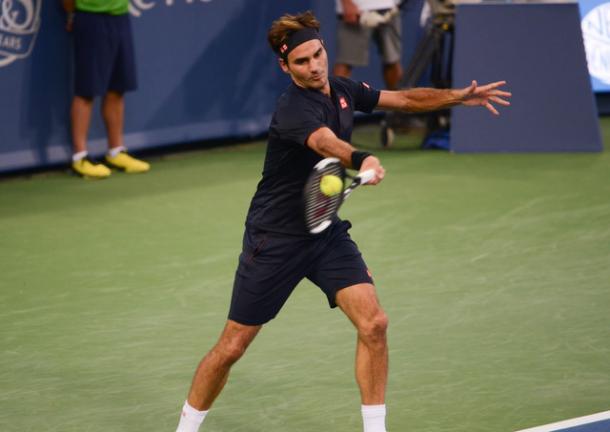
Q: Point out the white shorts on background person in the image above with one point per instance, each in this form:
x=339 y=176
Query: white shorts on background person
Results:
x=353 y=42
x=353 y=39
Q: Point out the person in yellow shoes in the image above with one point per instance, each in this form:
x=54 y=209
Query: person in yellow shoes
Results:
x=104 y=66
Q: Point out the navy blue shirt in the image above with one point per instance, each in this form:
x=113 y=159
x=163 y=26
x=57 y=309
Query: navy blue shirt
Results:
x=277 y=205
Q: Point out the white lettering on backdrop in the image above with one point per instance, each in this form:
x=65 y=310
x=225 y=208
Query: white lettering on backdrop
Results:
x=136 y=7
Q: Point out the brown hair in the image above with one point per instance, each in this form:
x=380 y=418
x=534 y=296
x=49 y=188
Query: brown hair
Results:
x=288 y=24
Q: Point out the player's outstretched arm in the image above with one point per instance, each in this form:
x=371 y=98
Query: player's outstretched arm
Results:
x=430 y=99
x=327 y=144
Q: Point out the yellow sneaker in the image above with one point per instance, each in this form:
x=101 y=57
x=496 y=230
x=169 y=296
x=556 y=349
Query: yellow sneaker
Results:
x=88 y=169
x=127 y=163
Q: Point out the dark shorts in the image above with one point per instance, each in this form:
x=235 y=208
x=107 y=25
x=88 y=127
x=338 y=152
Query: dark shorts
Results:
x=104 y=57
x=271 y=265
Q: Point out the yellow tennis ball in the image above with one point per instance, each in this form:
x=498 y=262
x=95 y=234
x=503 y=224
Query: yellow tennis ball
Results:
x=331 y=185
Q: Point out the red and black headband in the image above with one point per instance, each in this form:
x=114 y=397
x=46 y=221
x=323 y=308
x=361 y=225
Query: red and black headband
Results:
x=295 y=39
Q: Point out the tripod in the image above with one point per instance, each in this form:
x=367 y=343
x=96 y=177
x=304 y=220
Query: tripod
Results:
x=432 y=51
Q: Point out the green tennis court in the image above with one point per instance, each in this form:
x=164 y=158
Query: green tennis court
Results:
x=494 y=270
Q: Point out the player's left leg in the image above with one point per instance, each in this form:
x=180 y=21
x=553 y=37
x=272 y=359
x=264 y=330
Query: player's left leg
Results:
x=343 y=276
x=360 y=304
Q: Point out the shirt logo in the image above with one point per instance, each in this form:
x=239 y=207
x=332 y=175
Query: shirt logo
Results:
x=366 y=85
x=342 y=102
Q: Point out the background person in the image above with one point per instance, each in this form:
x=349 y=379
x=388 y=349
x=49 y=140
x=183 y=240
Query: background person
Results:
x=359 y=22
x=104 y=65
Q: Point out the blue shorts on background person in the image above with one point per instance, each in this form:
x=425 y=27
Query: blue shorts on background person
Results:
x=104 y=57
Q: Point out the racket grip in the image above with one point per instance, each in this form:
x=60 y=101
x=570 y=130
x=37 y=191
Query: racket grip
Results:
x=366 y=176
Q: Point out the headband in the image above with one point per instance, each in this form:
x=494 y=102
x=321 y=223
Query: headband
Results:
x=295 y=39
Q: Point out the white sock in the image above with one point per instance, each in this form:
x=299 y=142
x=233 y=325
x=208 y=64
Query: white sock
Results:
x=190 y=419
x=116 y=150
x=79 y=156
x=373 y=417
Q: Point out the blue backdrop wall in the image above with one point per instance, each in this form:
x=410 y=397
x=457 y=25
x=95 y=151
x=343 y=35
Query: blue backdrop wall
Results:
x=205 y=71
x=553 y=108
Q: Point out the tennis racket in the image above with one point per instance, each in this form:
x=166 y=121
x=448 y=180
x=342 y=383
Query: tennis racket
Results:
x=321 y=209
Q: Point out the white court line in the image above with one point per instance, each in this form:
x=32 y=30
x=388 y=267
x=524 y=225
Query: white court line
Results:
x=569 y=423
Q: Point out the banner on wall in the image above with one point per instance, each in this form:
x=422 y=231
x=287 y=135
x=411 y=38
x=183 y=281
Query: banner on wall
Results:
x=205 y=71
x=595 y=23
x=19 y=25
x=198 y=78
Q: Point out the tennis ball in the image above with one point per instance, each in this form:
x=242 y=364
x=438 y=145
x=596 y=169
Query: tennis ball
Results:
x=331 y=185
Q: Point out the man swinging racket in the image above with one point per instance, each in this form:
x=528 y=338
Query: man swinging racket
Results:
x=313 y=120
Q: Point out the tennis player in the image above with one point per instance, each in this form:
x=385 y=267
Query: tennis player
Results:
x=313 y=120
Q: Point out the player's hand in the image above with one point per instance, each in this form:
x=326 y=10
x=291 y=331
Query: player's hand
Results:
x=476 y=95
x=371 y=162
x=351 y=13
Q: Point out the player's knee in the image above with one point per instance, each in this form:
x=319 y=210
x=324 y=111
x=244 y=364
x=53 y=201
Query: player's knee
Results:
x=381 y=323
x=233 y=351
x=374 y=329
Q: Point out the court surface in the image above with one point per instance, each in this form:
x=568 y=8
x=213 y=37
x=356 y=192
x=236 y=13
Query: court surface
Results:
x=599 y=422
x=494 y=271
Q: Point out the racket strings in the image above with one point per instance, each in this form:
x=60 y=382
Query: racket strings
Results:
x=319 y=207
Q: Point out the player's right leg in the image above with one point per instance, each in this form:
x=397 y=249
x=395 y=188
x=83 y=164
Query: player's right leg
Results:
x=213 y=371
x=360 y=304
x=270 y=266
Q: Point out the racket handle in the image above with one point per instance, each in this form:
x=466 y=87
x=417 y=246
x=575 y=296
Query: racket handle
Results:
x=366 y=176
